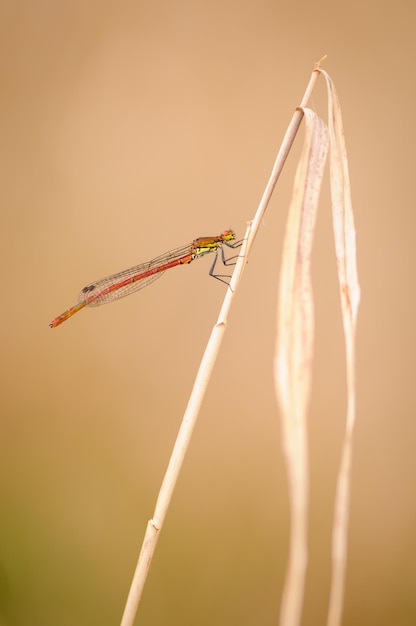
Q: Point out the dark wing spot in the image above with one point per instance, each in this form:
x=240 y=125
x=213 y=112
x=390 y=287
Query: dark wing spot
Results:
x=88 y=289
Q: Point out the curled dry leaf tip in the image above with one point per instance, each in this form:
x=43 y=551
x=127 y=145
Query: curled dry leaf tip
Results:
x=317 y=65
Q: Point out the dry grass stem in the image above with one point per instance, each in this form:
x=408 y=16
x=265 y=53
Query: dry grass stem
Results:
x=183 y=439
x=182 y=442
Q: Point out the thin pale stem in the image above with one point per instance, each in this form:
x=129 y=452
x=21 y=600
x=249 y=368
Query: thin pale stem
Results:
x=182 y=442
x=204 y=373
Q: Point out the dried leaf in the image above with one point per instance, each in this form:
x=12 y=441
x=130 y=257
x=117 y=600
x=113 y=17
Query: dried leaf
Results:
x=345 y=249
x=294 y=350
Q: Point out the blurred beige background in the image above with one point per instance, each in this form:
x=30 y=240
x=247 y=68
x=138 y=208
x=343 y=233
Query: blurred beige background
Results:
x=128 y=128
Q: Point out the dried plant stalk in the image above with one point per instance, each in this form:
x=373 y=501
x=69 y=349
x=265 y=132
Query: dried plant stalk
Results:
x=182 y=442
x=155 y=524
